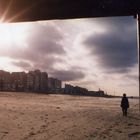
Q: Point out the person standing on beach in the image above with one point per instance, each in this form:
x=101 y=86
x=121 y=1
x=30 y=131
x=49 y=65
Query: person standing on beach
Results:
x=124 y=104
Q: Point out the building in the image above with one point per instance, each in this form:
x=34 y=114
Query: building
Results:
x=33 y=81
x=54 y=84
x=75 y=90
x=80 y=90
x=43 y=81
x=37 y=81
x=68 y=89
x=5 y=81
x=30 y=81
x=99 y=93
x=19 y=81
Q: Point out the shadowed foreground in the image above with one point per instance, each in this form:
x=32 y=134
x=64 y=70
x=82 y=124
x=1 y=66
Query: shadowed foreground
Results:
x=63 y=117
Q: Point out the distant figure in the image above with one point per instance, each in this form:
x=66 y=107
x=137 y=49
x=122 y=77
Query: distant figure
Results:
x=124 y=104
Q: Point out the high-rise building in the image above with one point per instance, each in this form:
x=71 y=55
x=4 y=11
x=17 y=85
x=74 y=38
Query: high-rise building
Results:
x=44 y=81
x=37 y=81
x=33 y=81
x=30 y=81
x=54 y=84
x=19 y=81
x=5 y=81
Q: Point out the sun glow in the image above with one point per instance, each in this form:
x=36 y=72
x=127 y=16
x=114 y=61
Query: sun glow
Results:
x=5 y=64
x=12 y=33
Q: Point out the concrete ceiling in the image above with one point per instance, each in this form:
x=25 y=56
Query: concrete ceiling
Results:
x=33 y=10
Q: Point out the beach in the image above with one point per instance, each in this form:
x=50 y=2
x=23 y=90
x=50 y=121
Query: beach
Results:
x=31 y=116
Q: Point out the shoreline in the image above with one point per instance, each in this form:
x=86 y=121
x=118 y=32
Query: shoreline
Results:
x=40 y=93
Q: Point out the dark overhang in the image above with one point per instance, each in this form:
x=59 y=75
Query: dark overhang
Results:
x=33 y=10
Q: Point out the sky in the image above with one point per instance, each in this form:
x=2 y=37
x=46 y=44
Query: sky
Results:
x=92 y=53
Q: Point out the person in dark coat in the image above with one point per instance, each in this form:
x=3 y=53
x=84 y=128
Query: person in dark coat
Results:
x=124 y=104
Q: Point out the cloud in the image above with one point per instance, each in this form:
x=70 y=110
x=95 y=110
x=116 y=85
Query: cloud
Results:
x=45 y=40
x=115 y=49
x=116 y=24
x=42 y=47
x=22 y=64
x=68 y=75
x=132 y=77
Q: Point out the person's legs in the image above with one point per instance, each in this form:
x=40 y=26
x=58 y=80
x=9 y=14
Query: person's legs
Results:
x=123 y=111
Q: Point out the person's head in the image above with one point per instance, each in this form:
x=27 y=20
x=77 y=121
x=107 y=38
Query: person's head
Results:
x=124 y=95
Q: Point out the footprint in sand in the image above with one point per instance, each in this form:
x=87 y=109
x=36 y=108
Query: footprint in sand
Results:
x=130 y=124
x=5 y=132
x=41 y=117
x=119 y=131
x=58 y=107
x=64 y=117
x=74 y=125
x=137 y=125
x=134 y=134
x=31 y=133
x=54 y=121
x=63 y=131
x=44 y=126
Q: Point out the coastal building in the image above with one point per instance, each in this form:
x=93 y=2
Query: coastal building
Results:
x=43 y=82
x=18 y=81
x=37 y=81
x=30 y=81
x=75 y=90
x=80 y=90
x=5 y=81
x=99 y=93
x=68 y=88
x=54 y=84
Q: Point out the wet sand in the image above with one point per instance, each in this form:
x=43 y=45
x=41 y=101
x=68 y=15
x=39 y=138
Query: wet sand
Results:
x=25 y=116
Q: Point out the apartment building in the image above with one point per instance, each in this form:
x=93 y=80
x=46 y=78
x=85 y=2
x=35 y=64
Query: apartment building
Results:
x=37 y=81
x=5 y=81
x=54 y=84
x=18 y=81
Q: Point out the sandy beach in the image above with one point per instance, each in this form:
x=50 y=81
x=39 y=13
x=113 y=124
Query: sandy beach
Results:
x=25 y=116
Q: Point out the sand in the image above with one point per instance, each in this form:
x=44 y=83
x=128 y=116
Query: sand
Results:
x=25 y=116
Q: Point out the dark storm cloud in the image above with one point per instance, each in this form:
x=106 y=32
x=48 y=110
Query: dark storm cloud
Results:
x=68 y=75
x=45 y=40
x=48 y=63
x=116 y=49
x=115 y=24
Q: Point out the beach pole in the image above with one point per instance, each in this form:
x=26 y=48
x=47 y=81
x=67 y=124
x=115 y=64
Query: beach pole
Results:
x=138 y=45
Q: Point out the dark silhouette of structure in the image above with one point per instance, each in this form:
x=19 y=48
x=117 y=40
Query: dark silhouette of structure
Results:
x=124 y=104
x=33 y=10
x=76 y=90
x=33 y=81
